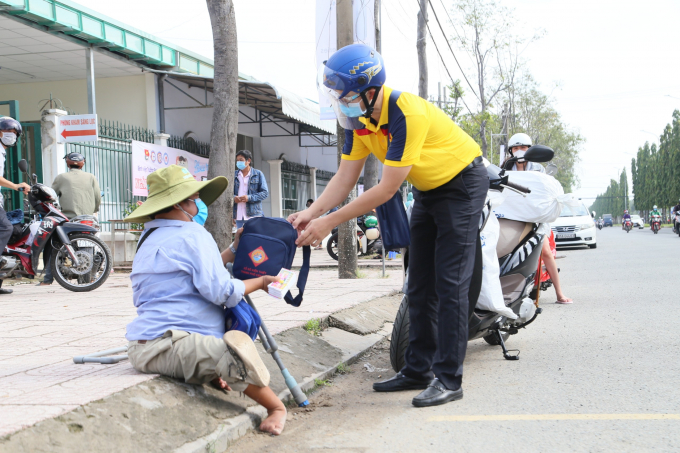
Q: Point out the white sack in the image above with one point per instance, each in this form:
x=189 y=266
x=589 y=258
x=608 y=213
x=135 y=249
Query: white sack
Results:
x=543 y=205
x=491 y=296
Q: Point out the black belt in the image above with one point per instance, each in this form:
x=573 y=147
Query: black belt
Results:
x=475 y=163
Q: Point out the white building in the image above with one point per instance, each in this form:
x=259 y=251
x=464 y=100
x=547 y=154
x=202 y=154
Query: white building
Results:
x=143 y=88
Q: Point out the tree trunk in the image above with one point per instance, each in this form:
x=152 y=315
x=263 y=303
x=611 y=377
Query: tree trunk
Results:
x=347 y=236
x=372 y=165
x=420 y=46
x=225 y=117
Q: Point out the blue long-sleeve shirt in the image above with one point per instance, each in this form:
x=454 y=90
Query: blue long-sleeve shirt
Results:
x=180 y=283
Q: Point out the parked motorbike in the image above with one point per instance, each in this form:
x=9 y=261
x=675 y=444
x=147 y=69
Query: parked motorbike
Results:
x=519 y=251
x=80 y=261
x=627 y=225
x=656 y=223
x=367 y=238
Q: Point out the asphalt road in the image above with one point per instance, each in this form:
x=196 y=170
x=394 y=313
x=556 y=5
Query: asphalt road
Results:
x=602 y=374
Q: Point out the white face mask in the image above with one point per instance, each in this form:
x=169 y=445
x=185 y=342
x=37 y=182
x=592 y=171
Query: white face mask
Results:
x=8 y=138
x=519 y=155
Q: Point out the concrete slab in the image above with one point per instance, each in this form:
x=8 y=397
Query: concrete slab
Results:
x=366 y=318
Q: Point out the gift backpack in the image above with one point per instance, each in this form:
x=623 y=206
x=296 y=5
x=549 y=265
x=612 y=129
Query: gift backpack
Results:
x=267 y=245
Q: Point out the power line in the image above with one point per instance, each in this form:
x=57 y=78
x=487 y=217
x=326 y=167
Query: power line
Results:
x=442 y=58
x=449 y=44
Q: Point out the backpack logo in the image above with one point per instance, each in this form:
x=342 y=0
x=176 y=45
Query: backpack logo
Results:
x=258 y=256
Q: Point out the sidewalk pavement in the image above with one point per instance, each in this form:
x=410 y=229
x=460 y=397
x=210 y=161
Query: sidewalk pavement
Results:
x=43 y=328
x=321 y=259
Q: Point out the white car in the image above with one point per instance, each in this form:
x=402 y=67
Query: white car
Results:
x=637 y=221
x=575 y=226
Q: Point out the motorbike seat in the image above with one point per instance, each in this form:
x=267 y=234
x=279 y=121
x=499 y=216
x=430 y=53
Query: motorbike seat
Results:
x=512 y=232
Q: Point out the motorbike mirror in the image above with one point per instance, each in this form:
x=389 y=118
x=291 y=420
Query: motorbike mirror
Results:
x=23 y=165
x=592 y=214
x=539 y=153
x=551 y=169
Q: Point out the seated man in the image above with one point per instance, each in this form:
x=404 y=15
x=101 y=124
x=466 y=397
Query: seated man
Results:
x=181 y=288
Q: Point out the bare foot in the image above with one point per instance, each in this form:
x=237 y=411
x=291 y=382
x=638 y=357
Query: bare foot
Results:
x=275 y=422
x=564 y=300
x=220 y=384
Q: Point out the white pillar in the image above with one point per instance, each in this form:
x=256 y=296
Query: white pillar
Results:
x=312 y=172
x=161 y=139
x=275 y=187
x=53 y=152
x=89 y=68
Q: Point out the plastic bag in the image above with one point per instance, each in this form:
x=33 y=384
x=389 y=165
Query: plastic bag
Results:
x=491 y=295
x=543 y=205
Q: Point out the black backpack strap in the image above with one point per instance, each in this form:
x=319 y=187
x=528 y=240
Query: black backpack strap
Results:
x=302 y=278
x=141 y=241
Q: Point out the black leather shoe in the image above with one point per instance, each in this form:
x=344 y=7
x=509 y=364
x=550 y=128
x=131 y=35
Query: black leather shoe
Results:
x=6 y=291
x=399 y=382
x=435 y=394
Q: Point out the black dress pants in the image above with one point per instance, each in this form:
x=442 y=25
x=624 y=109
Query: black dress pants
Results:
x=6 y=229
x=444 y=230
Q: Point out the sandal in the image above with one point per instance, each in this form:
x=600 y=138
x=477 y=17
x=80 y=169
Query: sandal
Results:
x=565 y=301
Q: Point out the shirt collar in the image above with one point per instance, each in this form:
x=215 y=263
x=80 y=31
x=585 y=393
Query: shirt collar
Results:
x=164 y=223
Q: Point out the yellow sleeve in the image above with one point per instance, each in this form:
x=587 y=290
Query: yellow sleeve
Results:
x=354 y=148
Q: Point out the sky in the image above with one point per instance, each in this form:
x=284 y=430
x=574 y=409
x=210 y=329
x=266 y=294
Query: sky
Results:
x=613 y=62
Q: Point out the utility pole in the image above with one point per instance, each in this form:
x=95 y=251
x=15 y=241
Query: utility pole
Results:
x=347 y=236
x=420 y=45
x=372 y=163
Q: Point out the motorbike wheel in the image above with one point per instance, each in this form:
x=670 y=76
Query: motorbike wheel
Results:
x=332 y=247
x=93 y=273
x=399 y=340
x=493 y=340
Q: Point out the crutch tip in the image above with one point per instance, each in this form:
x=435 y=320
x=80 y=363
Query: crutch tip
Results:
x=305 y=403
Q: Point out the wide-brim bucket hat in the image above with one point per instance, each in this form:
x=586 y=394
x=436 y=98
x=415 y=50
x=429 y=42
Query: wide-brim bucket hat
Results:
x=171 y=185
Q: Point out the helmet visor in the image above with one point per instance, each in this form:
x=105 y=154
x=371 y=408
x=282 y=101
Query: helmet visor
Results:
x=347 y=105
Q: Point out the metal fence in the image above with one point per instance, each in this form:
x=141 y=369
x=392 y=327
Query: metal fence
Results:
x=110 y=160
x=296 y=181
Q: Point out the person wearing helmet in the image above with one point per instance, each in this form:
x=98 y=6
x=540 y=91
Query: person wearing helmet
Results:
x=10 y=131
x=419 y=143
x=675 y=213
x=626 y=216
x=655 y=211
x=78 y=193
x=517 y=146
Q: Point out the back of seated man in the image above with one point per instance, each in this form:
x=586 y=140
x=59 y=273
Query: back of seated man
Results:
x=181 y=288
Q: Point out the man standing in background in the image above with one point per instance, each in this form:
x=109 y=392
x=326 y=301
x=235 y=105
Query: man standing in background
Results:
x=79 y=194
x=250 y=188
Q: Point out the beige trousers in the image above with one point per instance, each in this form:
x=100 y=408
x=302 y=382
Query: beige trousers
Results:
x=195 y=358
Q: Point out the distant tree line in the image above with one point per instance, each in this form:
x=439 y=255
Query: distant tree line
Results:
x=655 y=173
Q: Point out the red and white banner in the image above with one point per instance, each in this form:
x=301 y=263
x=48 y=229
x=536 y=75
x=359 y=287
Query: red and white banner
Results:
x=147 y=158
x=77 y=128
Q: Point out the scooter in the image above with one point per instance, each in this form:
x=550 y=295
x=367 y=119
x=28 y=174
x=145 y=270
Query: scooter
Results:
x=656 y=223
x=80 y=261
x=600 y=224
x=367 y=238
x=627 y=225
x=519 y=251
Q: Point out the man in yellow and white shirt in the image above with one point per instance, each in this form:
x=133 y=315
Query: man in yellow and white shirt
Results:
x=416 y=142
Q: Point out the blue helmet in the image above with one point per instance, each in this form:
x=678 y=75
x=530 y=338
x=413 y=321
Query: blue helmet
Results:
x=354 y=68
x=8 y=123
x=347 y=75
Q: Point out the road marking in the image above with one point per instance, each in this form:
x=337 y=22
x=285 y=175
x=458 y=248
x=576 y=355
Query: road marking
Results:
x=542 y=417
